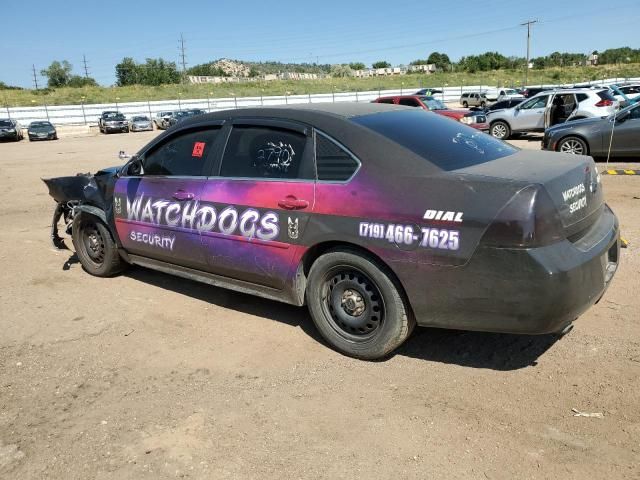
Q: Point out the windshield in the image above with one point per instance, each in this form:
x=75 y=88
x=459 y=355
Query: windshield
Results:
x=140 y=119
x=446 y=144
x=40 y=124
x=510 y=91
x=433 y=104
x=116 y=116
x=6 y=123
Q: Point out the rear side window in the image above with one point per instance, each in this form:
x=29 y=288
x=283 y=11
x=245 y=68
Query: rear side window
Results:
x=409 y=102
x=333 y=163
x=265 y=152
x=182 y=155
x=581 y=97
x=446 y=144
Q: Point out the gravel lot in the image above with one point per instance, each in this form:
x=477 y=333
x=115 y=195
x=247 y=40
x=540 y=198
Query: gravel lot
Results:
x=150 y=376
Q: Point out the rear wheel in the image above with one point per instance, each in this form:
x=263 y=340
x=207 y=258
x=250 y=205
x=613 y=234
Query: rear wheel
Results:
x=483 y=104
x=95 y=248
x=573 y=145
x=465 y=104
x=500 y=130
x=356 y=305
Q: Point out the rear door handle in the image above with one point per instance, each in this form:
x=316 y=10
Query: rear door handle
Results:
x=292 y=203
x=182 y=195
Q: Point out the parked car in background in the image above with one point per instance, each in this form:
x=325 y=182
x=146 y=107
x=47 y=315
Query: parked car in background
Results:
x=592 y=136
x=502 y=104
x=508 y=94
x=476 y=119
x=196 y=111
x=429 y=92
x=141 y=123
x=42 y=130
x=533 y=91
x=473 y=99
x=550 y=108
x=376 y=217
x=632 y=92
x=162 y=119
x=112 y=121
x=179 y=116
x=10 y=130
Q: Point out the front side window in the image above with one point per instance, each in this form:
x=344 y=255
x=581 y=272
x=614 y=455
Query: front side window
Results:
x=182 y=155
x=537 y=102
x=266 y=152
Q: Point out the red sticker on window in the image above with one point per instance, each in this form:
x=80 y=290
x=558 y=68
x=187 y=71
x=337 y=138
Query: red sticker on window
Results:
x=198 y=149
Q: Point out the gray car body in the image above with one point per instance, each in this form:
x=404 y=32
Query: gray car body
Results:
x=596 y=132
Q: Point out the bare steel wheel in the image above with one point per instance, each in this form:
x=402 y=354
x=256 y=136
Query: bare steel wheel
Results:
x=95 y=247
x=357 y=304
x=573 y=145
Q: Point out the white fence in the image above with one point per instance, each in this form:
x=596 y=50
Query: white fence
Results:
x=88 y=114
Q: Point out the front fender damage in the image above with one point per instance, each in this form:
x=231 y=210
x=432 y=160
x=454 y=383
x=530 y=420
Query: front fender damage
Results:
x=91 y=194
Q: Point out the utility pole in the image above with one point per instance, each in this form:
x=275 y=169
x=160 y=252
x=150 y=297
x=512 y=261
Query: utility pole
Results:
x=35 y=77
x=86 y=69
x=526 y=67
x=182 y=56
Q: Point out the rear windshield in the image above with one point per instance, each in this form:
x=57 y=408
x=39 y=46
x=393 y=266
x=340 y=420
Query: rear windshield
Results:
x=447 y=144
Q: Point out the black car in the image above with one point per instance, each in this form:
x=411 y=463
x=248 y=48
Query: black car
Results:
x=10 y=130
x=182 y=115
x=377 y=217
x=592 y=136
x=428 y=91
x=502 y=104
x=533 y=91
x=42 y=130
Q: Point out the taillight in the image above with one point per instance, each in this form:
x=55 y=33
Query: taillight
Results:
x=604 y=103
x=529 y=219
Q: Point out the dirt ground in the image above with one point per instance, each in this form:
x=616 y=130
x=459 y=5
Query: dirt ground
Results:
x=150 y=376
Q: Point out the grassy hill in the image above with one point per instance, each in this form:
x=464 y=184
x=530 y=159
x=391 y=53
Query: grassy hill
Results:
x=67 y=95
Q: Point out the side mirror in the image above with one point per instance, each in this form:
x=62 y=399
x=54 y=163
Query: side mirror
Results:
x=621 y=117
x=132 y=168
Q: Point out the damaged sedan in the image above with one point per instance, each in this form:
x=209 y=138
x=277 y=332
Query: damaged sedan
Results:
x=376 y=217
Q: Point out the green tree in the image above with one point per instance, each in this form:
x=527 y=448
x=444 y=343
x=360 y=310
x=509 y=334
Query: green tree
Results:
x=155 y=71
x=78 y=81
x=343 y=70
x=127 y=72
x=357 y=66
x=381 y=64
x=58 y=73
x=440 y=60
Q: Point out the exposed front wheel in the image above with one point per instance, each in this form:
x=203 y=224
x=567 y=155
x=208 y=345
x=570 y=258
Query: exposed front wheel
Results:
x=95 y=248
x=573 y=145
x=500 y=130
x=356 y=305
x=465 y=104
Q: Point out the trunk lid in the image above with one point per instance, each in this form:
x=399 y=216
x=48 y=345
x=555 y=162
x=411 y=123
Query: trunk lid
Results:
x=572 y=182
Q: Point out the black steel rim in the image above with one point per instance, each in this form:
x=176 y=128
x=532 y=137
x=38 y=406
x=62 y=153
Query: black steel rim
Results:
x=93 y=244
x=352 y=303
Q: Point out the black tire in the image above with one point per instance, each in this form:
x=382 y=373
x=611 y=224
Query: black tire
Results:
x=95 y=247
x=356 y=305
x=573 y=145
x=500 y=130
x=483 y=104
x=465 y=104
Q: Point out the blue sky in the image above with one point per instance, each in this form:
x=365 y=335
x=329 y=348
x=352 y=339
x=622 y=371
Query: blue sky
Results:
x=330 y=31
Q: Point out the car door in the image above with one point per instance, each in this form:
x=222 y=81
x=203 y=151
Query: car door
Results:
x=626 y=135
x=530 y=115
x=261 y=197
x=158 y=213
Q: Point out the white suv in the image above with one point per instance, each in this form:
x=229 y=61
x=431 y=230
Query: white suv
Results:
x=550 y=108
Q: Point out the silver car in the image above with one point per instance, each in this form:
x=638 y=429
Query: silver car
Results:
x=162 y=119
x=141 y=123
x=551 y=108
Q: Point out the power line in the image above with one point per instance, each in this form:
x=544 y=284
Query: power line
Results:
x=526 y=67
x=86 y=69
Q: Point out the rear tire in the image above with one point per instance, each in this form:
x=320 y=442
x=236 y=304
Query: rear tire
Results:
x=573 y=145
x=356 y=305
x=95 y=248
x=500 y=130
x=465 y=104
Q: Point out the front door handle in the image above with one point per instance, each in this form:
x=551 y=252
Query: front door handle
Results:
x=182 y=195
x=292 y=203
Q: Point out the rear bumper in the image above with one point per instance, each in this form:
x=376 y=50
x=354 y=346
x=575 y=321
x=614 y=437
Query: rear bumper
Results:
x=525 y=291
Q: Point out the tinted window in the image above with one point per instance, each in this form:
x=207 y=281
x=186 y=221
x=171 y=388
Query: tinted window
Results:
x=333 y=163
x=581 y=96
x=260 y=152
x=385 y=100
x=409 y=102
x=181 y=155
x=446 y=144
x=6 y=123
